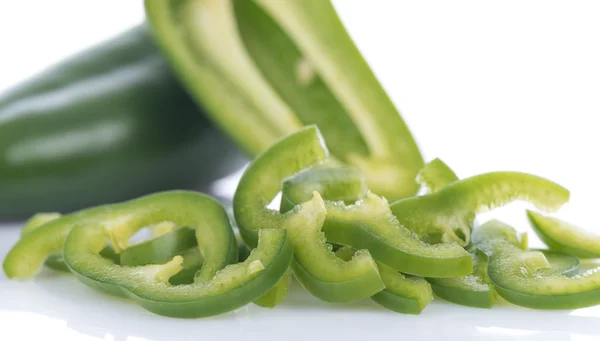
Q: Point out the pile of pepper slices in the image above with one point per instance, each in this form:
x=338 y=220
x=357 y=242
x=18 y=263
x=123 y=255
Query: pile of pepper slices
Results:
x=339 y=240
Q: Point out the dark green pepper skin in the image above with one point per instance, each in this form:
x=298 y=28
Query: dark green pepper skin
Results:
x=106 y=125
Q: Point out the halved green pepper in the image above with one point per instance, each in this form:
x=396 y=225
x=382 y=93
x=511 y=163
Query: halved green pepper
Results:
x=315 y=266
x=562 y=236
x=263 y=69
x=369 y=224
x=522 y=277
x=108 y=124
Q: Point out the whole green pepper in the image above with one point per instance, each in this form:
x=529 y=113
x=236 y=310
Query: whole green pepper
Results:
x=108 y=124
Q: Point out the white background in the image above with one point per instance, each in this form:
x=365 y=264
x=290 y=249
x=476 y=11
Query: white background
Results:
x=485 y=85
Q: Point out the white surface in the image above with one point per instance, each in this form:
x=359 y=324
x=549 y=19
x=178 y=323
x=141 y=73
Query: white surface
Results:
x=510 y=85
x=57 y=307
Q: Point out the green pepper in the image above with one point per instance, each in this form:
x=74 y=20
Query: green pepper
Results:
x=472 y=290
x=219 y=286
x=108 y=124
x=408 y=295
x=562 y=236
x=437 y=217
x=315 y=266
x=369 y=224
x=55 y=260
x=343 y=184
x=524 y=278
x=263 y=69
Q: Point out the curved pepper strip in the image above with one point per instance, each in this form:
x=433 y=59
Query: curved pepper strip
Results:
x=218 y=287
x=315 y=266
x=434 y=176
x=521 y=278
x=369 y=224
x=562 y=236
x=472 y=290
x=408 y=295
x=55 y=260
x=45 y=233
x=454 y=207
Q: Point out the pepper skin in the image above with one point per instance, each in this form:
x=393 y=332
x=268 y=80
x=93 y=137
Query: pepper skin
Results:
x=522 y=277
x=108 y=124
x=315 y=265
x=264 y=69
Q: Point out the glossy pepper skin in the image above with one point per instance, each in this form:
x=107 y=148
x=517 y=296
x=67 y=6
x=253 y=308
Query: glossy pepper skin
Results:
x=315 y=265
x=220 y=285
x=287 y=64
x=527 y=279
x=106 y=125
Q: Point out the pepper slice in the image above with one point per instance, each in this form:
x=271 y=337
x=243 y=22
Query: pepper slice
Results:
x=474 y=290
x=562 y=236
x=407 y=295
x=521 y=277
x=435 y=217
x=315 y=266
x=369 y=224
x=55 y=260
x=219 y=286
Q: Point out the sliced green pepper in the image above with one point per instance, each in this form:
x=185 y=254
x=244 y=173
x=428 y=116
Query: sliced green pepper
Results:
x=472 y=290
x=112 y=114
x=315 y=266
x=219 y=286
x=437 y=216
x=55 y=260
x=408 y=295
x=369 y=224
x=522 y=277
x=562 y=236
x=265 y=68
